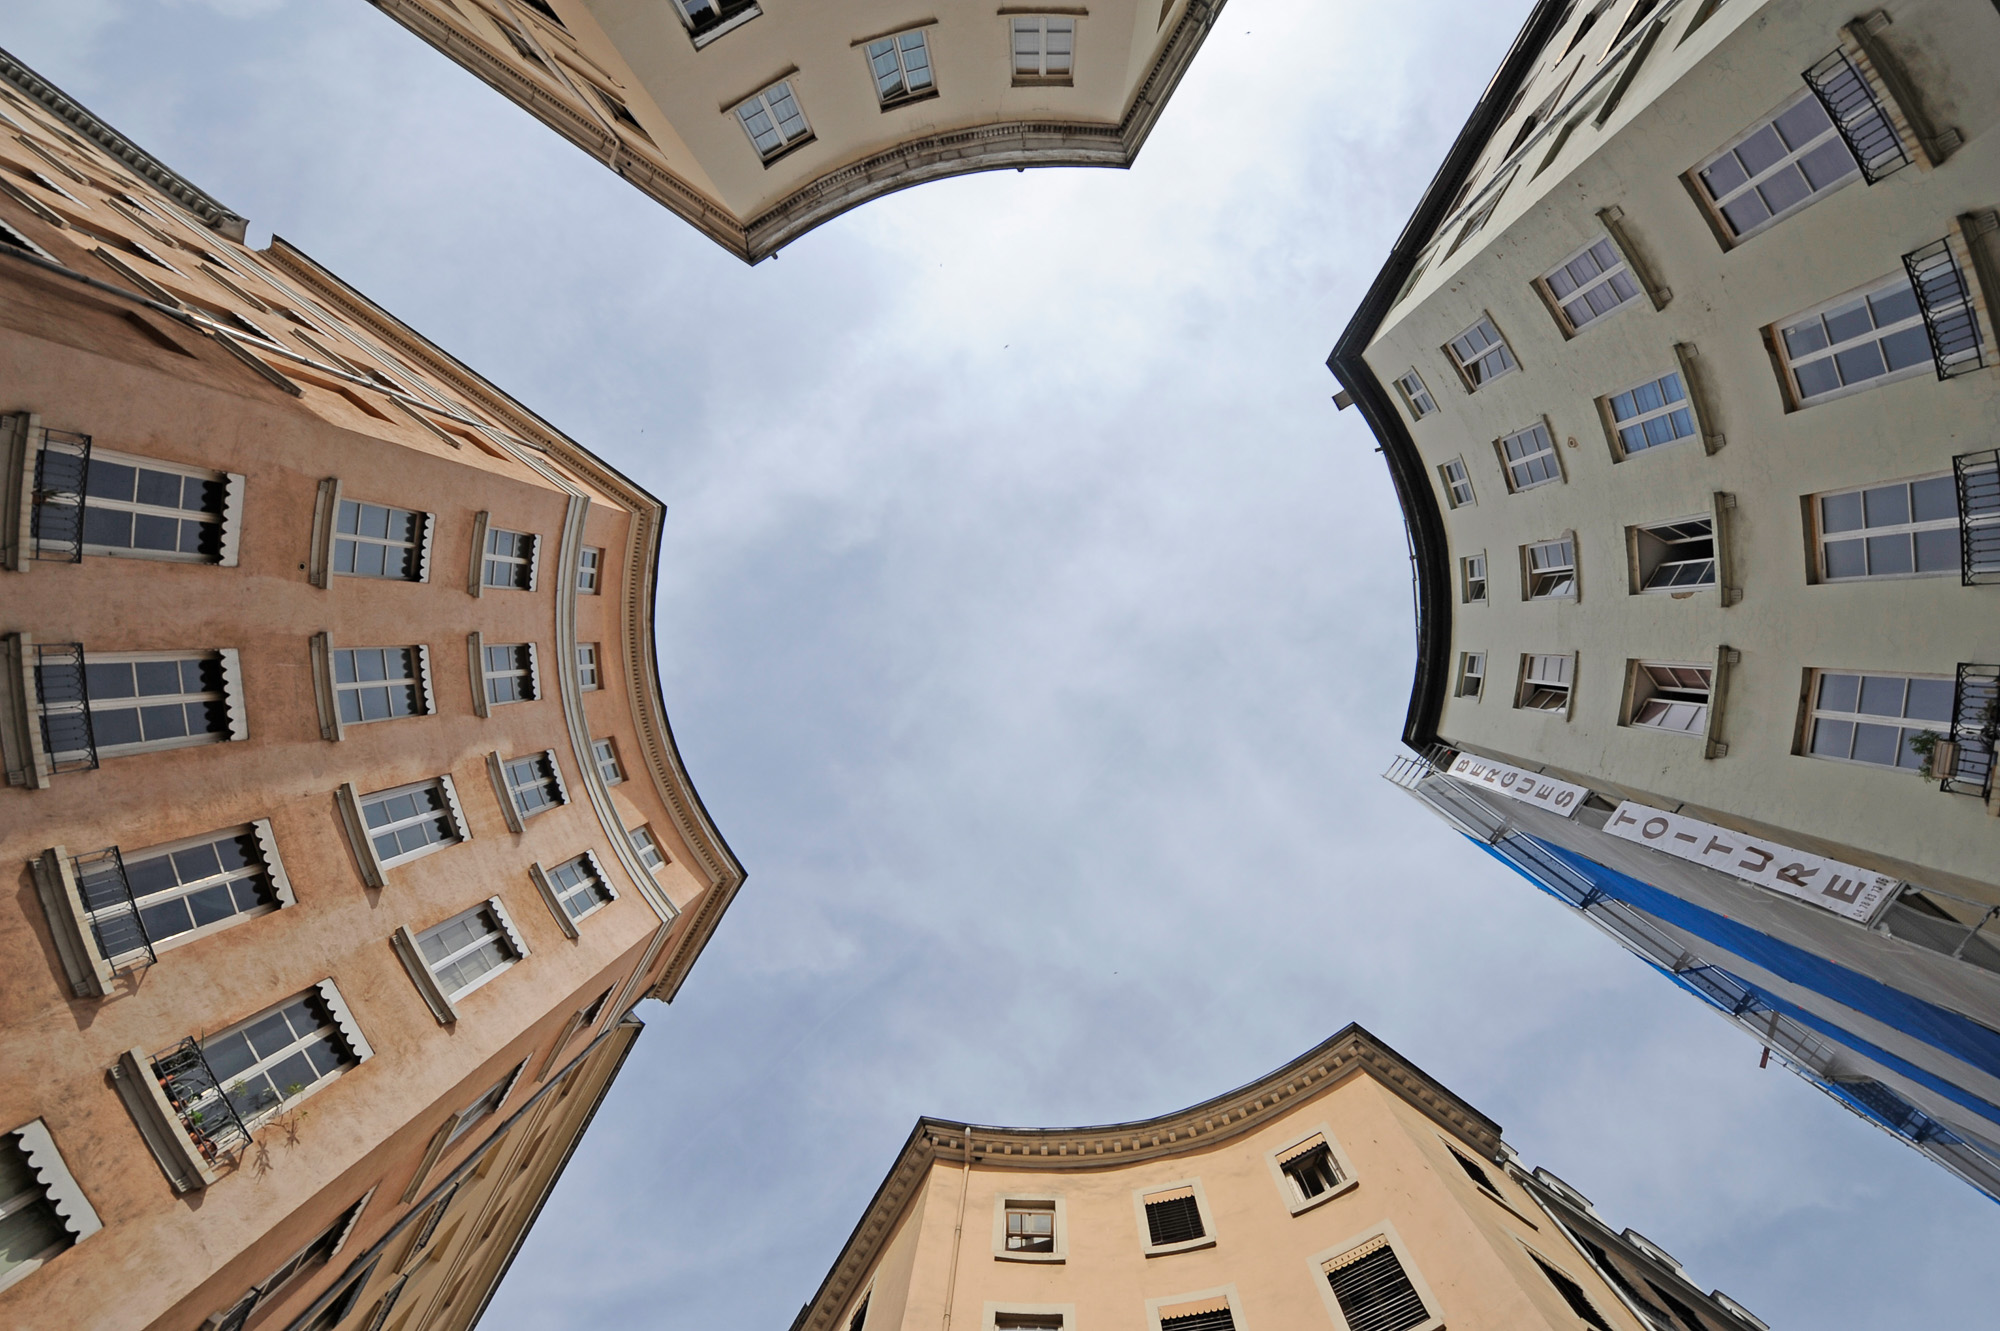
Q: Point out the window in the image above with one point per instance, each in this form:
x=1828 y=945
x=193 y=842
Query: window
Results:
x=1573 y=1295
x=589 y=570
x=1861 y=119
x=469 y=949
x=301 y=1263
x=1311 y=1169
x=860 y=1318
x=509 y=672
x=606 y=755
x=1457 y=483
x=1481 y=354
x=1545 y=682
x=1416 y=398
x=139 y=507
x=579 y=887
x=648 y=848
x=1173 y=1217
x=1874 y=718
x=1550 y=567
x=1473 y=1170
x=1675 y=556
x=375 y=541
x=1855 y=342
x=380 y=683
x=1650 y=414
x=1005 y=1321
x=1473 y=569
x=1783 y=164
x=534 y=783
x=586 y=666
x=774 y=121
x=1215 y=1319
x=409 y=821
x=1372 y=1289
x=709 y=19
x=261 y=1064
x=1044 y=49
x=1529 y=457
x=1904 y=529
x=1471 y=674
x=1589 y=285
x=143 y=701
x=510 y=558
x=1671 y=697
x=1031 y=1227
x=483 y=1108
x=902 y=67
x=43 y=1213
x=148 y=898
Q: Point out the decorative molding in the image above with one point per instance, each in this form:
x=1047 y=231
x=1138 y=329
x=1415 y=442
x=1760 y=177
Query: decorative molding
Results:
x=89 y=974
x=412 y=956
x=58 y=1184
x=158 y=1125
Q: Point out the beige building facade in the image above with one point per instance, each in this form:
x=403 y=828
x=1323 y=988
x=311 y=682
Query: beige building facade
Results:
x=1346 y=1190
x=758 y=120
x=347 y=827
x=1686 y=374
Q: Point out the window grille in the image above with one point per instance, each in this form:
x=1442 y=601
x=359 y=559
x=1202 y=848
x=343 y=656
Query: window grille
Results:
x=1591 y=284
x=1650 y=414
x=62 y=478
x=1859 y=117
x=134 y=903
x=113 y=910
x=1174 y=1220
x=1950 y=318
x=774 y=121
x=1373 y=1291
x=1579 y=1302
x=1481 y=354
x=1530 y=458
x=1877 y=719
x=902 y=67
x=1976 y=477
x=1677 y=556
x=62 y=694
x=1779 y=167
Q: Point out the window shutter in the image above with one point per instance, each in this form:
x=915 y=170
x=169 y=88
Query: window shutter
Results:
x=424 y=679
x=1372 y=1289
x=457 y=810
x=506 y=923
x=534 y=560
x=475 y=649
x=534 y=672
x=496 y=768
x=555 y=770
x=343 y=1020
x=232 y=693
x=597 y=867
x=232 y=519
x=58 y=1184
x=424 y=548
x=326 y=509
x=477 y=583
x=274 y=868
x=349 y=801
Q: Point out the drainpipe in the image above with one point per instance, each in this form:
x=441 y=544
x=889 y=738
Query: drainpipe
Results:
x=958 y=1231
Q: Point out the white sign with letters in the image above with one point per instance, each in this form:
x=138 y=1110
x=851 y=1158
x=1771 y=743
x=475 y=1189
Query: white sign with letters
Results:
x=1840 y=888
x=1544 y=792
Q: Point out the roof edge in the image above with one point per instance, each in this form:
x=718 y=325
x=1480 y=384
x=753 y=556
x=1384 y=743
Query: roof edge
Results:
x=1429 y=550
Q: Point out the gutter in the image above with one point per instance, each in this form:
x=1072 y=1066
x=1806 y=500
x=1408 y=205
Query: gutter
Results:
x=1429 y=550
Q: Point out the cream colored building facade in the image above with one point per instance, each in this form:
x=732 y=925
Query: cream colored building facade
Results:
x=1686 y=374
x=346 y=824
x=1346 y=1190
x=757 y=120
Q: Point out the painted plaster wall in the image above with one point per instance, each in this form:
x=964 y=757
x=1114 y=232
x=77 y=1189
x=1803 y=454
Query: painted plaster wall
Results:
x=1692 y=99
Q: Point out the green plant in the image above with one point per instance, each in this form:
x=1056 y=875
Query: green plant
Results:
x=1924 y=745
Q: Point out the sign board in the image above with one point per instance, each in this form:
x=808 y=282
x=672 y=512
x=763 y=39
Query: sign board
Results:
x=1544 y=792
x=1841 y=888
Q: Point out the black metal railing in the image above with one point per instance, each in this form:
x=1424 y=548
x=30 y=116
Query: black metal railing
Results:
x=1963 y=759
x=1861 y=119
x=1978 y=478
x=200 y=1101
x=62 y=472
x=107 y=894
x=63 y=696
x=1946 y=302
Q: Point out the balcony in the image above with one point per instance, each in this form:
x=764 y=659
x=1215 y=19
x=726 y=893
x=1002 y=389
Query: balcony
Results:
x=115 y=922
x=62 y=695
x=1950 y=318
x=1962 y=760
x=1859 y=116
x=1978 y=478
x=62 y=471
x=199 y=1102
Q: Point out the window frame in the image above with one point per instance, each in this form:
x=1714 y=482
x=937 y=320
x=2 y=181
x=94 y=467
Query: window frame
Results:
x=888 y=101
x=443 y=1002
x=1542 y=428
x=1819 y=537
x=1295 y=1199
x=1468 y=580
x=554 y=894
x=760 y=99
x=590 y=571
x=589 y=670
x=1711 y=206
x=484 y=678
x=341 y=1031
x=599 y=755
x=1795 y=398
x=276 y=885
x=730 y=15
x=1530 y=685
x=354 y=803
x=334 y=1237
x=1642 y=570
x=1391 y=1239
x=485 y=559
x=327 y=536
x=1472 y=673
x=1644 y=684
x=1566 y=576
x=1158 y=1191
x=328 y=687
x=1417 y=401
x=1614 y=426
x=1812 y=713
x=1452 y=484
x=1055 y=1203
x=1511 y=363
x=50 y=1185
x=229 y=667
x=228 y=519
x=1621 y=265
x=633 y=834
x=1041 y=77
x=509 y=789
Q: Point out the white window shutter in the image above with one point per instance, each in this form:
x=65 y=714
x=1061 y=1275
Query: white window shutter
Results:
x=274 y=868
x=343 y=1019
x=232 y=519
x=232 y=693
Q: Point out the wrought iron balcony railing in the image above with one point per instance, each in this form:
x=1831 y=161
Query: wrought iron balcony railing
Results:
x=63 y=696
x=120 y=929
x=1978 y=478
x=1950 y=319
x=1962 y=760
x=200 y=1101
x=62 y=474
x=1862 y=120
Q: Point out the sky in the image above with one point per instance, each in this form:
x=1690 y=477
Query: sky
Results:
x=1036 y=632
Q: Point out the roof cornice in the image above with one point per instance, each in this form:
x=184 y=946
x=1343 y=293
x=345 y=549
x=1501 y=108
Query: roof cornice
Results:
x=169 y=182
x=1349 y=1051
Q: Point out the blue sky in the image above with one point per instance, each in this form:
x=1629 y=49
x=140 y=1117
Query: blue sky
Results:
x=1036 y=632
